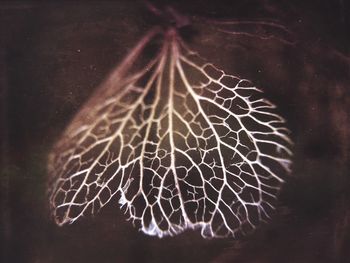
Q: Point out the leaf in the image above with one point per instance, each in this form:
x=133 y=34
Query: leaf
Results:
x=182 y=144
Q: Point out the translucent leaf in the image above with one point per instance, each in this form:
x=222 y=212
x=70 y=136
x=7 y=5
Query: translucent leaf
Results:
x=182 y=144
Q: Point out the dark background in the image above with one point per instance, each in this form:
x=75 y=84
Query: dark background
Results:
x=53 y=55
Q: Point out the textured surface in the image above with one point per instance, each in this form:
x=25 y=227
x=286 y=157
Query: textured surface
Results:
x=53 y=55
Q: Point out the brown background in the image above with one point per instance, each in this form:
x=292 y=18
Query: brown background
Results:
x=52 y=56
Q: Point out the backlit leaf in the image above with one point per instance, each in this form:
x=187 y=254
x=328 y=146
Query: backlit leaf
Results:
x=179 y=142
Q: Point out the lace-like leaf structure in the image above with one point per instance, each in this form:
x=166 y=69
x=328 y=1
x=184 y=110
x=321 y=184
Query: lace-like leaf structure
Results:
x=182 y=144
